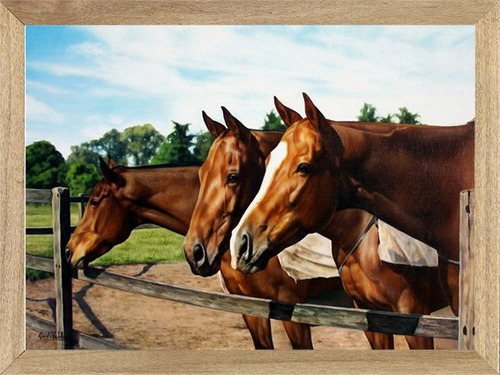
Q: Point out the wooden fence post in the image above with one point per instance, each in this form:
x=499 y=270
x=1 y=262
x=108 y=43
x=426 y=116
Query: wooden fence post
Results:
x=81 y=207
x=467 y=329
x=62 y=270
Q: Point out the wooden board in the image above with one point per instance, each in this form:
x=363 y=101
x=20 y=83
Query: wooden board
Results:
x=485 y=243
x=12 y=302
x=252 y=362
x=467 y=330
x=38 y=195
x=62 y=269
x=224 y=12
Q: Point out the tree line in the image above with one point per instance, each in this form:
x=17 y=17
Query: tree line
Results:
x=136 y=145
x=141 y=145
x=368 y=113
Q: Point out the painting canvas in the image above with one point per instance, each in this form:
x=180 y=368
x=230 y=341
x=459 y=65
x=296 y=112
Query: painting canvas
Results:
x=134 y=96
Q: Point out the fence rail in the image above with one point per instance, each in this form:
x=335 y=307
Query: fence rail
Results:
x=45 y=196
x=377 y=321
x=362 y=319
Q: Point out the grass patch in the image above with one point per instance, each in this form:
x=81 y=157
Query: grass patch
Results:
x=40 y=214
x=40 y=245
x=146 y=246
x=143 y=246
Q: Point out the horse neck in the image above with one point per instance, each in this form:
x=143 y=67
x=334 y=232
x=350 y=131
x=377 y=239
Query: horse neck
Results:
x=267 y=140
x=165 y=196
x=345 y=230
x=397 y=173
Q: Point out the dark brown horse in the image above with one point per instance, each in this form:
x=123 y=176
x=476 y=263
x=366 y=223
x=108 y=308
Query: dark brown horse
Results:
x=128 y=197
x=408 y=176
x=230 y=178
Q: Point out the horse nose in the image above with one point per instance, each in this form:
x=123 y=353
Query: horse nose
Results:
x=67 y=253
x=199 y=253
x=245 y=251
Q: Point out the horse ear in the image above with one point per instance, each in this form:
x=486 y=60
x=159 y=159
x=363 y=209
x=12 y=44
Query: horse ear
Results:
x=236 y=127
x=314 y=114
x=111 y=161
x=215 y=128
x=317 y=119
x=288 y=115
x=111 y=176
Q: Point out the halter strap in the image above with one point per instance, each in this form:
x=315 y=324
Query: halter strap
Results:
x=356 y=245
x=455 y=262
x=362 y=237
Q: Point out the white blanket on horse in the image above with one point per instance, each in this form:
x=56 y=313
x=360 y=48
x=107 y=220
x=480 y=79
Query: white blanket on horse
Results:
x=309 y=258
x=398 y=248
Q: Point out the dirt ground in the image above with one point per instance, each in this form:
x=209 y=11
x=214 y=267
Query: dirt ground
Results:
x=141 y=322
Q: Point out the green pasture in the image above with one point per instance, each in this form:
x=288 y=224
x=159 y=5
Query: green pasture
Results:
x=143 y=246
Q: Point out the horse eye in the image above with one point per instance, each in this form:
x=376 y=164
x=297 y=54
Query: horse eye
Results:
x=304 y=168
x=232 y=178
x=94 y=202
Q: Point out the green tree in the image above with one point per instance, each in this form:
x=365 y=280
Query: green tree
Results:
x=82 y=177
x=142 y=143
x=83 y=154
x=406 y=117
x=177 y=146
x=202 y=146
x=386 y=119
x=273 y=122
x=112 y=143
x=367 y=113
x=45 y=166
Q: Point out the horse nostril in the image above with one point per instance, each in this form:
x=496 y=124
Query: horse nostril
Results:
x=263 y=228
x=67 y=253
x=245 y=248
x=198 y=253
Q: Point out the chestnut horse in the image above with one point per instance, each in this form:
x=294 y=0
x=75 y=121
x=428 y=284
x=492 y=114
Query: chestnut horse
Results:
x=128 y=197
x=408 y=176
x=229 y=181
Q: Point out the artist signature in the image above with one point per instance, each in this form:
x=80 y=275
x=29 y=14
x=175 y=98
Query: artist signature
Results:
x=53 y=335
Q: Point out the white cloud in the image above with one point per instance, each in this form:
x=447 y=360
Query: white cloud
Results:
x=189 y=69
x=50 y=89
x=37 y=110
x=60 y=69
x=95 y=125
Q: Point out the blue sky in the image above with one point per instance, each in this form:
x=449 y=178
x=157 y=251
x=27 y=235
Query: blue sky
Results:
x=82 y=81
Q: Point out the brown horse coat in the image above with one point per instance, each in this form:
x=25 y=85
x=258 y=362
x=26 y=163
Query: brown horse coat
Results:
x=128 y=197
x=408 y=176
x=235 y=165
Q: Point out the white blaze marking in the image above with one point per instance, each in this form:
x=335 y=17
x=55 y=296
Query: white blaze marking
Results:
x=222 y=283
x=277 y=157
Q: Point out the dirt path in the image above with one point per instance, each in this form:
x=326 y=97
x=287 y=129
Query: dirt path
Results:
x=142 y=322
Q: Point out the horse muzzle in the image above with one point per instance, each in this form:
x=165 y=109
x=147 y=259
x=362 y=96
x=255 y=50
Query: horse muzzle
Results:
x=200 y=263
x=251 y=257
x=76 y=262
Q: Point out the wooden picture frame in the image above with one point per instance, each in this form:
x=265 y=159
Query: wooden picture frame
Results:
x=485 y=242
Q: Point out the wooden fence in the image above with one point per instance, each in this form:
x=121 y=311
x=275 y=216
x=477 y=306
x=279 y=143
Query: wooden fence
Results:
x=371 y=320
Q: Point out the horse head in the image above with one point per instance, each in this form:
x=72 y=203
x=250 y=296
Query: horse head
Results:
x=107 y=220
x=229 y=178
x=298 y=193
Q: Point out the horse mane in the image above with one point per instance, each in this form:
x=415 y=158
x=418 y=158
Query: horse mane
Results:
x=166 y=165
x=266 y=131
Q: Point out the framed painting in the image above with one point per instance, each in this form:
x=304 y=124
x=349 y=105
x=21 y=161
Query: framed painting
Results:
x=485 y=248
